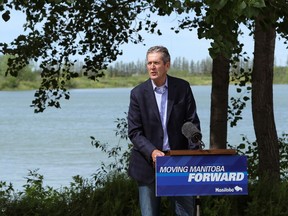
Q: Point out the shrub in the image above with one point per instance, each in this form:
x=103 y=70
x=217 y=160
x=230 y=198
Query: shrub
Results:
x=112 y=192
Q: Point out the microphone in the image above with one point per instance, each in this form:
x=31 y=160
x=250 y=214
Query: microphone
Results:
x=193 y=134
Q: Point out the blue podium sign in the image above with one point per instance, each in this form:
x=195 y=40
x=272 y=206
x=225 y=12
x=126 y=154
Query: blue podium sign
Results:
x=201 y=175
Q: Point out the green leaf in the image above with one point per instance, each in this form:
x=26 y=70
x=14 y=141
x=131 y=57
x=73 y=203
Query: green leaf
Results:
x=219 y=5
x=258 y=3
x=243 y=5
x=242 y=146
x=245 y=98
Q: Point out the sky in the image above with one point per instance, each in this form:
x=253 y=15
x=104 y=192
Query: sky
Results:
x=184 y=44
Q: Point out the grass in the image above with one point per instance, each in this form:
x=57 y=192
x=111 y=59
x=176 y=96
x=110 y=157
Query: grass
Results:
x=11 y=83
x=118 y=196
x=110 y=82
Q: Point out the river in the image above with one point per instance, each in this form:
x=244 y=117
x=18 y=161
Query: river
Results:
x=57 y=142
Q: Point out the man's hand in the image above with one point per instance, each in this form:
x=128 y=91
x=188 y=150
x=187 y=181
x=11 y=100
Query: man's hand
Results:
x=155 y=154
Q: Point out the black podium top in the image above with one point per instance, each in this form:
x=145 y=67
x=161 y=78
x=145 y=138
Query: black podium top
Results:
x=202 y=152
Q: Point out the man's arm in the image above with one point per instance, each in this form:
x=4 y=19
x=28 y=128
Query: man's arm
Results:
x=136 y=129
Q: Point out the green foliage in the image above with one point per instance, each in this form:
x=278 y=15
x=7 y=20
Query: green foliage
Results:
x=118 y=197
x=58 y=31
x=119 y=154
x=280 y=75
x=219 y=22
x=283 y=151
x=9 y=82
x=242 y=79
x=34 y=200
x=221 y=205
x=251 y=150
x=164 y=7
x=109 y=192
x=263 y=199
x=268 y=199
x=116 y=194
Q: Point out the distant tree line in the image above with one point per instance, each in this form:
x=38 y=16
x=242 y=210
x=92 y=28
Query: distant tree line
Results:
x=123 y=69
x=10 y=82
x=203 y=66
x=179 y=64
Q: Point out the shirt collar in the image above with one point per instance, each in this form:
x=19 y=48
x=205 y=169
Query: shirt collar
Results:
x=154 y=86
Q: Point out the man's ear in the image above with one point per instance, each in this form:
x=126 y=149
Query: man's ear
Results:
x=168 y=65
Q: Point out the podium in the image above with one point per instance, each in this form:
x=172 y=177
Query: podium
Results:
x=202 y=152
x=201 y=172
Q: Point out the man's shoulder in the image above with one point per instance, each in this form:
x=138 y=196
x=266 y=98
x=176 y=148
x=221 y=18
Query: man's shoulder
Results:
x=178 y=81
x=142 y=86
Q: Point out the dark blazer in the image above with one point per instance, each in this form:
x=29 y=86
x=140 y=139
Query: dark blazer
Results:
x=145 y=129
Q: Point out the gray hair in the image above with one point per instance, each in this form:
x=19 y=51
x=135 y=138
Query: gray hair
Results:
x=161 y=49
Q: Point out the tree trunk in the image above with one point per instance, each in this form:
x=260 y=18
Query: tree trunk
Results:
x=262 y=101
x=219 y=103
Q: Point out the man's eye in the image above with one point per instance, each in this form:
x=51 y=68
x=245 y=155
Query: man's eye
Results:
x=153 y=63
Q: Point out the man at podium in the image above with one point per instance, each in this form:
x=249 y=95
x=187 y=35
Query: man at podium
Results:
x=157 y=111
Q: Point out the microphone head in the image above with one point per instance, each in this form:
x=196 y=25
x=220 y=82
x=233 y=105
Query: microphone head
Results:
x=190 y=131
x=186 y=130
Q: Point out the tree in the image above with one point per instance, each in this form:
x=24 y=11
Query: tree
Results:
x=266 y=24
x=101 y=26
x=223 y=31
x=218 y=22
x=262 y=98
x=267 y=16
x=57 y=31
x=25 y=74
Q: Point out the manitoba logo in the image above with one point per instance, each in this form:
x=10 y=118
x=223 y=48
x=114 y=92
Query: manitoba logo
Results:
x=238 y=189
x=229 y=190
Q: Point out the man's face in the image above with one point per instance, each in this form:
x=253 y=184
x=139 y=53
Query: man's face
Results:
x=156 y=68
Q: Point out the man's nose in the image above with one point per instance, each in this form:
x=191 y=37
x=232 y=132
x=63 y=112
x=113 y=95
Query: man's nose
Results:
x=153 y=65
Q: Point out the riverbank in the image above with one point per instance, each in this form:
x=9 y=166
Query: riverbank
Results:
x=10 y=83
x=103 y=82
